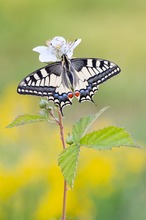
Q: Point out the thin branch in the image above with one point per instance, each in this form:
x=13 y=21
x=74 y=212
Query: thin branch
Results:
x=64 y=201
x=51 y=113
x=64 y=147
x=61 y=129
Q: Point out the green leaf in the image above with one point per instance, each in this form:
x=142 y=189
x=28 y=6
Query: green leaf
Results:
x=107 y=138
x=68 y=160
x=83 y=125
x=25 y=119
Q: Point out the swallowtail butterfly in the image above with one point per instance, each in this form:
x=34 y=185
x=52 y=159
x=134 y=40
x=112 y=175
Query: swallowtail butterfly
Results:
x=68 y=78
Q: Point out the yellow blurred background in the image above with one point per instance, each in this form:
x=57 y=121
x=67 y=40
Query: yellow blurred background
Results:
x=110 y=185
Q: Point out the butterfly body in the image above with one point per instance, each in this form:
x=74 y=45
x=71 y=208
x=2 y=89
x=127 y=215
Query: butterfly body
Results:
x=62 y=80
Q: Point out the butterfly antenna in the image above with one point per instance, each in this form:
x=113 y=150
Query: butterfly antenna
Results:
x=71 y=46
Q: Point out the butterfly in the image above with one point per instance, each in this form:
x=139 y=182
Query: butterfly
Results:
x=68 y=78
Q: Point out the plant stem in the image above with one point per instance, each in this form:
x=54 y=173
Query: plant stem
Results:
x=64 y=147
x=61 y=129
x=64 y=201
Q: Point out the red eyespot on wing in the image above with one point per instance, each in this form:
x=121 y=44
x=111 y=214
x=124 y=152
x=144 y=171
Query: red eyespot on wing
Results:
x=70 y=95
x=77 y=93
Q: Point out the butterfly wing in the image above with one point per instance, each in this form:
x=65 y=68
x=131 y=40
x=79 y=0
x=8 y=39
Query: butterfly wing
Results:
x=47 y=81
x=91 y=73
x=84 y=74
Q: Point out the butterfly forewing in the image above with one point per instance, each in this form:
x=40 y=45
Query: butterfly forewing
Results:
x=53 y=80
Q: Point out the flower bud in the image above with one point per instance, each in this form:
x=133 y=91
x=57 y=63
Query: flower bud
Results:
x=69 y=139
x=43 y=103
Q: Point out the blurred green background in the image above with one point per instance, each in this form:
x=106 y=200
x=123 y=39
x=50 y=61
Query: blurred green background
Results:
x=110 y=185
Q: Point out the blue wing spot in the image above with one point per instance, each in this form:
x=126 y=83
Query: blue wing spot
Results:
x=89 y=87
x=64 y=95
x=56 y=96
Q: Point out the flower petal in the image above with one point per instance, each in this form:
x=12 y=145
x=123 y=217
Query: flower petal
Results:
x=46 y=54
x=58 y=41
x=75 y=43
x=46 y=57
x=40 y=49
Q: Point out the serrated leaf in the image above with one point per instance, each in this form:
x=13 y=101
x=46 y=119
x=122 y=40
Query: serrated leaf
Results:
x=68 y=160
x=107 y=138
x=81 y=127
x=25 y=119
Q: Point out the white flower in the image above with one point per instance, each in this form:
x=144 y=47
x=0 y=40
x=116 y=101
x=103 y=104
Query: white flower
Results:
x=55 y=49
